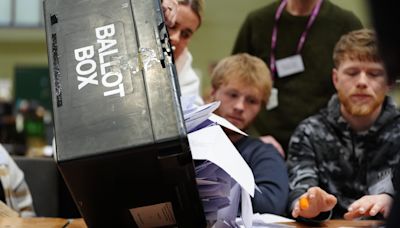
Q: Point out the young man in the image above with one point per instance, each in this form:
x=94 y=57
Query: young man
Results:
x=341 y=159
x=243 y=83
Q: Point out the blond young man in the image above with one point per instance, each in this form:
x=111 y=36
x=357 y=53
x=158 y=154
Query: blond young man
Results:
x=243 y=83
x=341 y=159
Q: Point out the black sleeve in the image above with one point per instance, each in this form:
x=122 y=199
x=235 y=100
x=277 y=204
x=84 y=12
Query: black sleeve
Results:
x=243 y=40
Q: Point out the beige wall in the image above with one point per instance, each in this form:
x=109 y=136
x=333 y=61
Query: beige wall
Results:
x=213 y=41
x=21 y=47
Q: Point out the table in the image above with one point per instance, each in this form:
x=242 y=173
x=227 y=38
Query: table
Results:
x=340 y=223
x=41 y=222
x=79 y=223
x=33 y=222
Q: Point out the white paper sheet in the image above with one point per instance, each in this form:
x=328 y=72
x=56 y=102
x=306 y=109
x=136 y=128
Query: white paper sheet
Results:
x=266 y=221
x=195 y=117
x=225 y=123
x=212 y=144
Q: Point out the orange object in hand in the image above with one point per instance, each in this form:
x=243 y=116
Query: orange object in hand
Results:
x=304 y=203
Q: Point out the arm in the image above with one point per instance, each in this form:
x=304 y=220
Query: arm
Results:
x=370 y=205
x=189 y=81
x=271 y=140
x=242 y=43
x=270 y=176
x=382 y=178
x=351 y=22
x=19 y=196
x=303 y=177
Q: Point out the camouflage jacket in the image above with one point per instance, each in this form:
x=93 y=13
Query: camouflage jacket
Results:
x=324 y=151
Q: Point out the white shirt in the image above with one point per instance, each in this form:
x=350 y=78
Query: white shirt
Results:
x=189 y=82
x=16 y=191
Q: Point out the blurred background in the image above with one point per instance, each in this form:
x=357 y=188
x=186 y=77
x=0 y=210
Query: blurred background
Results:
x=25 y=99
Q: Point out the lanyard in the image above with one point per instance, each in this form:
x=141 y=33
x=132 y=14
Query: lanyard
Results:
x=303 y=36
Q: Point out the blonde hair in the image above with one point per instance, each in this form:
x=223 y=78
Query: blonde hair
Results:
x=357 y=45
x=197 y=7
x=247 y=69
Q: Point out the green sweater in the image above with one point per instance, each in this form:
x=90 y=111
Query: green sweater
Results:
x=302 y=94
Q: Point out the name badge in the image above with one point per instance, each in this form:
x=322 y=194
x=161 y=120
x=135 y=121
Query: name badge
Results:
x=383 y=185
x=289 y=65
x=273 y=99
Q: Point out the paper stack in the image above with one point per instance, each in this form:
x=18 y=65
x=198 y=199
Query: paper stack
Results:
x=223 y=177
x=214 y=186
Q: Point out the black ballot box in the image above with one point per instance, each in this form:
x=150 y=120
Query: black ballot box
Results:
x=120 y=137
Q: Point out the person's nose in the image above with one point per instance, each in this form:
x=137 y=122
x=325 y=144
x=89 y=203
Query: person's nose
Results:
x=239 y=104
x=362 y=81
x=174 y=36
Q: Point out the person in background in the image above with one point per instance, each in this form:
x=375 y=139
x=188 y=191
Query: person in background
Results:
x=341 y=160
x=188 y=20
x=242 y=84
x=300 y=34
x=14 y=191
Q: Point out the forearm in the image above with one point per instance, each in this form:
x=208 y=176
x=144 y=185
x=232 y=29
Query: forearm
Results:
x=271 y=178
x=242 y=40
x=270 y=198
x=19 y=196
x=22 y=200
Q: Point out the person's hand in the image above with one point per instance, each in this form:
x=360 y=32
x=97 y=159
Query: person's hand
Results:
x=271 y=140
x=370 y=205
x=318 y=201
x=170 y=8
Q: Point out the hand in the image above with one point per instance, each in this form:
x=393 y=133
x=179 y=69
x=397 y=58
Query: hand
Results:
x=318 y=201
x=170 y=8
x=271 y=140
x=370 y=206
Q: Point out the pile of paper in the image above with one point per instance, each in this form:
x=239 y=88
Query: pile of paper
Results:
x=214 y=186
x=196 y=117
x=223 y=177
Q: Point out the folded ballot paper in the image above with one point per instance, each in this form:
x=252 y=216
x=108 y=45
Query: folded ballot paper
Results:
x=223 y=177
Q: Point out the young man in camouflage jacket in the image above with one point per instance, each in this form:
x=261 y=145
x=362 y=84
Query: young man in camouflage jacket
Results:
x=341 y=159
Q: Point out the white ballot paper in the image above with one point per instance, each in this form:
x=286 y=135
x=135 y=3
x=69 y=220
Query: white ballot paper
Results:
x=266 y=221
x=196 y=116
x=212 y=144
x=223 y=177
x=225 y=123
x=214 y=185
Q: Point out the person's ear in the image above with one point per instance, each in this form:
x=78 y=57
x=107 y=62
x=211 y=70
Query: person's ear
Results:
x=212 y=93
x=335 y=77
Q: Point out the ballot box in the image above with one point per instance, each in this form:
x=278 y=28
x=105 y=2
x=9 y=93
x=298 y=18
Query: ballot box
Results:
x=120 y=138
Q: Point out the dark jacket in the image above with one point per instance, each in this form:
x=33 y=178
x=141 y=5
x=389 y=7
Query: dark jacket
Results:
x=324 y=151
x=270 y=175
